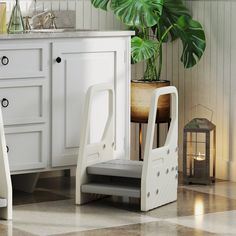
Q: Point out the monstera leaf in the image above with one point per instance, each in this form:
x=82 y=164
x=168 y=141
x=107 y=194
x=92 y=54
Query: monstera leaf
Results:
x=193 y=39
x=171 y=11
x=139 y=13
x=103 y=4
x=143 y=49
x=169 y=19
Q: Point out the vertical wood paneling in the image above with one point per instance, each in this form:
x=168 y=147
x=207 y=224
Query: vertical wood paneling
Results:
x=39 y=6
x=181 y=90
x=87 y=15
x=194 y=77
x=164 y=62
x=188 y=101
x=102 y=20
x=95 y=18
x=211 y=83
x=201 y=88
x=110 y=22
x=207 y=56
x=63 y=5
x=70 y=5
x=79 y=14
x=226 y=90
x=211 y=79
x=232 y=131
x=169 y=66
x=47 y=6
x=55 y=6
x=220 y=62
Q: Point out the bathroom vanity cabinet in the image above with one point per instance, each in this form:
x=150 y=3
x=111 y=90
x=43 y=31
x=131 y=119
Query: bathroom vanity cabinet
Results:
x=43 y=81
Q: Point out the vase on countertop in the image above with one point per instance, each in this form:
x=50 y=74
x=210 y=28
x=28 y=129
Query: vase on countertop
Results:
x=16 y=23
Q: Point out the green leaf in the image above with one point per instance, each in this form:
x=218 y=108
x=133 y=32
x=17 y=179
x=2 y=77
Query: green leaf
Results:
x=193 y=40
x=172 y=10
x=160 y=16
x=139 y=13
x=143 y=49
x=102 y=4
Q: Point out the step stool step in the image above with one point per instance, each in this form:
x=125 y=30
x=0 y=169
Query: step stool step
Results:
x=3 y=202
x=117 y=167
x=112 y=189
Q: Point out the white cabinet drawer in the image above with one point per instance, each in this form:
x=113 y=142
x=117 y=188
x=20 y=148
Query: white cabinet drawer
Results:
x=22 y=61
x=23 y=102
x=26 y=147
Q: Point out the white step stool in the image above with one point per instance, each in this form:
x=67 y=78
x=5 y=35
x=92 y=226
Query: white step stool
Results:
x=5 y=178
x=154 y=180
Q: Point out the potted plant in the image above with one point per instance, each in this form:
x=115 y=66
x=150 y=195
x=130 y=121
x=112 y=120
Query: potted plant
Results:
x=156 y=22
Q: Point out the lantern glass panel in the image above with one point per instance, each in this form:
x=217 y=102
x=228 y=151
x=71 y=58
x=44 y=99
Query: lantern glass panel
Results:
x=200 y=137
x=196 y=154
x=196 y=144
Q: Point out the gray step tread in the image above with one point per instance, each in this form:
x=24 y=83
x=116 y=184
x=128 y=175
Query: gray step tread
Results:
x=117 y=167
x=3 y=202
x=112 y=189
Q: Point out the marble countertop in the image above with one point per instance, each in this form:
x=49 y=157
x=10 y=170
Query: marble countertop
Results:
x=66 y=34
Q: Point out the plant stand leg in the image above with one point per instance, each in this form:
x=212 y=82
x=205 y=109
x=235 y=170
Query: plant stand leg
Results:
x=25 y=182
x=140 y=141
x=67 y=173
x=158 y=134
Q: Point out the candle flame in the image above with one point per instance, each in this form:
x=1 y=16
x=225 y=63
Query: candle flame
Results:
x=140 y=137
x=199 y=157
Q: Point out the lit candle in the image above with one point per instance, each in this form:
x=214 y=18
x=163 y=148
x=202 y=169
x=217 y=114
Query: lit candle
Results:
x=199 y=165
x=200 y=157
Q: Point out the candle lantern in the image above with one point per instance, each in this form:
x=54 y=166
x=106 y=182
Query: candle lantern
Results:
x=199 y=152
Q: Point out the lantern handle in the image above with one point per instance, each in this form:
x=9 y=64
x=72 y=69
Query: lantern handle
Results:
x=207 y=108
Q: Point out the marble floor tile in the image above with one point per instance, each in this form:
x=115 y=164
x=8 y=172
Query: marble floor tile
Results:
x=63 y=217
x=222 y=223
x=193 y=203
x=8 y=230
x=159 y=228
x=223 y=188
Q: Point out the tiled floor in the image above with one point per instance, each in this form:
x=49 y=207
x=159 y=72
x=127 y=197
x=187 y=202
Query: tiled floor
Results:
x=200 y=210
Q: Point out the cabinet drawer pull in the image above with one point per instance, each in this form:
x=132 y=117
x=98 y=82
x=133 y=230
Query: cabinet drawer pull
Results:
x=58 y=60
x=4 y=102
x=5 y=60
x=7 y=149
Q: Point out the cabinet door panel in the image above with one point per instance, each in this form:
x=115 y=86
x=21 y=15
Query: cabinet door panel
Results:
x=76 y=86
x=83 y=64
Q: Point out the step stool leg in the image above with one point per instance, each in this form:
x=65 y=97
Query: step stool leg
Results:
x=159 y=182
x=5 y=178
x=90 y=154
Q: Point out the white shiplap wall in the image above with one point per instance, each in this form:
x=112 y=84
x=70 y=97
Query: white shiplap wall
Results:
x=211 y=83
x=87 y=17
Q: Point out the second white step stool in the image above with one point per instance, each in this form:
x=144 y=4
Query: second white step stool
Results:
x=154 y=180
x=5 y=178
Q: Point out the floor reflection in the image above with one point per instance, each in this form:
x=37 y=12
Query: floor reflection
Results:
x=50 y=210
